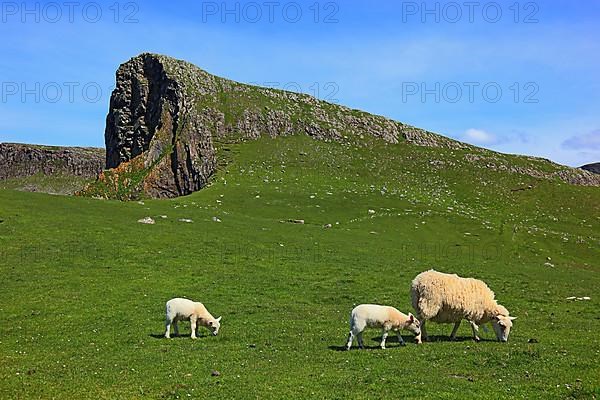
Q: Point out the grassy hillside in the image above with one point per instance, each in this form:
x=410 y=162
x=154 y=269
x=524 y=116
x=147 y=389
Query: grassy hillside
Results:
x=81 y=302
x=53 y=184
x=169 y=122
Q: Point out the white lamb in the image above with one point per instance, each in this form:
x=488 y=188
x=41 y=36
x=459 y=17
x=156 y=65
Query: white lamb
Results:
x=187 y=310
x=446 y=298
x=375 y=316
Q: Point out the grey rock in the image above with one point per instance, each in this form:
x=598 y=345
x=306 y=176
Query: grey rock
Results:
x=23 y=160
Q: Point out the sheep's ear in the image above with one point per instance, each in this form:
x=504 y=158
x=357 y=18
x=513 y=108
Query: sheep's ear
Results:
x=219 y=319
x=411 y=317
x=512 y=318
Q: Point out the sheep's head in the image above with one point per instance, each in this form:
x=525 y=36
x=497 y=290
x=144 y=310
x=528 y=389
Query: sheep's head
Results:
x=502 y=325
x=214 y=326
x=413 y=325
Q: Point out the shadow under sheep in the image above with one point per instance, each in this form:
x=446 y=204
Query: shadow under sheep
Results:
x=407 y=340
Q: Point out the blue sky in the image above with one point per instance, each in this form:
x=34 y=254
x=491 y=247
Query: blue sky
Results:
x=518 y=77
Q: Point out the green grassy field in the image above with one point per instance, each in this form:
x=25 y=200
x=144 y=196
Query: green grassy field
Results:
x=84 y=285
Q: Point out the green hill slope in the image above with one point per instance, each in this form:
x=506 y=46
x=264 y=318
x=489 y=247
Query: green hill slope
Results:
x=84 y=285
x=170 y=123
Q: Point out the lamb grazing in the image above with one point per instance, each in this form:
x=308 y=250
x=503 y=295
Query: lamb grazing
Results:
x=187 y=310
x=388 y=318
x=446 y=298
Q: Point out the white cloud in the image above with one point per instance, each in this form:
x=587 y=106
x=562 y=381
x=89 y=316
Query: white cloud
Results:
x=589 y=141
x=480 y=137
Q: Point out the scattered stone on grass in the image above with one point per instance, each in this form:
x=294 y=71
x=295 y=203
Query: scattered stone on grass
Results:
x=215 y=373
x=147 y=221
x=187 y=221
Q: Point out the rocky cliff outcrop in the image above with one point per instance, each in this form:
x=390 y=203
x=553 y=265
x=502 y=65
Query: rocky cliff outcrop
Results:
x=23 y=160
x=168 y=118
x=155 y=125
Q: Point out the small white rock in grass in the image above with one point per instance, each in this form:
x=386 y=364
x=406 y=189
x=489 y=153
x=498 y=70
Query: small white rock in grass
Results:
x=371 y=212
x=147 y=221
x=187 y=221
x=215 y=219
x=586 y=298
x=164 y=217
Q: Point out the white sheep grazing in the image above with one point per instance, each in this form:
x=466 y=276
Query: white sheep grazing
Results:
x=187 y=310
x=446 y=298
x=375 y=316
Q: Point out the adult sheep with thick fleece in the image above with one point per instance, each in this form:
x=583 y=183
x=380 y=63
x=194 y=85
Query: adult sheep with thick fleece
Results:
x=376 y=316
x=448 y=298
x=187 y=310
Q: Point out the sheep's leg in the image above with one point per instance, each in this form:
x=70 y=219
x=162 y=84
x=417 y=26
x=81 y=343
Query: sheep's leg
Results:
x=360 y=340
x=475 y=331
x=350 y=340
x=400 y=340
x=175 y=326
x=453 y=334
x=193 y=325
x=384 y=336
x=168 y=328
x=423 y=335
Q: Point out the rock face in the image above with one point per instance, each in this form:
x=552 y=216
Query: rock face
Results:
x=168 y=118
x=22 y=160
x=152 y=117
x=594 y=168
